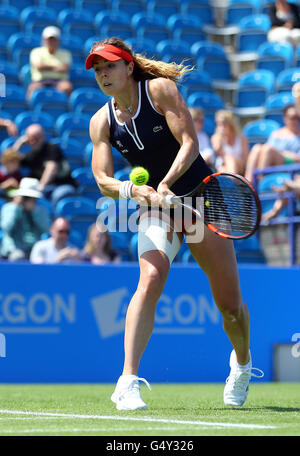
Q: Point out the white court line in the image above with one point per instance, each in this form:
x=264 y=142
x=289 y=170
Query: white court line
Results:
x=141 y=419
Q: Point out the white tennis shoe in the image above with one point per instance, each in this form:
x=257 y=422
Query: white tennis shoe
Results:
x=127 y=393
x=237 y=384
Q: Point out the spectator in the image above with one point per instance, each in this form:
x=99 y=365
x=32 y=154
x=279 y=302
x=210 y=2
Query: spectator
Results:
x=205 y=148
x=229 y=144
x=98 y=246
x=285 y=22
x=11 y=127
x=50 y=65
x=10 y=174
x=282 y=147
x=47 y=164
x=23 y=221
x=55 y=249
x=289 y=185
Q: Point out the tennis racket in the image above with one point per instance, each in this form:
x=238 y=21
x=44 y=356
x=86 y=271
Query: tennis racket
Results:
x=230 y=205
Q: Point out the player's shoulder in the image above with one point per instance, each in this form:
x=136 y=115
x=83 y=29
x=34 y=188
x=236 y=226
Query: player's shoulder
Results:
x=163 y=85
x=99 y=125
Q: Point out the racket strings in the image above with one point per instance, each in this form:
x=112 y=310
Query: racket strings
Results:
x=230 y=206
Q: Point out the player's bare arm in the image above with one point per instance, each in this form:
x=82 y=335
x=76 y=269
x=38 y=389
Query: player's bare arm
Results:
x=168 y=101
x=102 y=162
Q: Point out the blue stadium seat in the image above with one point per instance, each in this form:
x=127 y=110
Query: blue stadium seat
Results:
x=238 y=9
x=297 y=56
x=49 y=100
x=212 y=58
x=87 y=184
x=57 y=5
x=15 y=100
x=74 y=44
x=75 y=126
x=133 y=247
x=275 y=105
x=3 y=48
x=130 y=7
x=186 y=27
x=122 y=174
x=113 y=23
x=142 y=46
x=72 y=151
x=19 y=46
x=9 y=20
x=201 y=9
x=25 y=75
x=76 y=22
x=175 y=51
x=208 y=101
x=275 y=57
x=287 y=78
x=81 y=78
x=252 y=32
x=80 y=211
x=34 y=20
x=258 y=131
x=10 y=71
x=93 y=6
x=87 y=154
x=202 y=49
x=119 y=242
x=87 y=100
x=26 y=118
x=147 y=25
x=253 y=88
x=164 y=7
x=196 y=81
x=19 y=4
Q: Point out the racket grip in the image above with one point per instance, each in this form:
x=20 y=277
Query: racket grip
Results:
x=170 y=199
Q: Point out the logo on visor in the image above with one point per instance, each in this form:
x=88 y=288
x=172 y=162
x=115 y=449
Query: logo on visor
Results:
x=99 y=47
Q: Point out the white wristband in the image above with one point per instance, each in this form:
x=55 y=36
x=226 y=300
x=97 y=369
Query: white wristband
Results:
x=125 y=189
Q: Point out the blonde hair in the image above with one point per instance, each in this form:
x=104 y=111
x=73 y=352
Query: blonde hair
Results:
x=89 y=247
x=10 y=155
x=145 y=68
x=229 y=117
x=196 y=112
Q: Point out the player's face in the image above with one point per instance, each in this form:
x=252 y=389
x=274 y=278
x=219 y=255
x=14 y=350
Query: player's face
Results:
x=111 y=76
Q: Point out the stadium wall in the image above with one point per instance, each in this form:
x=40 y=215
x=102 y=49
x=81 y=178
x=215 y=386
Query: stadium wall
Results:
x=65 y=323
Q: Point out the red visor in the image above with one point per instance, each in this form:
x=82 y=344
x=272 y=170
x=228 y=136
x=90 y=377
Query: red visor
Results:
x=108 y=52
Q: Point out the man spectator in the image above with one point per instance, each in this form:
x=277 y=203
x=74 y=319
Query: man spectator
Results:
x=47 y=164
x=23 y=221
x=50 y=65
x=55 y=249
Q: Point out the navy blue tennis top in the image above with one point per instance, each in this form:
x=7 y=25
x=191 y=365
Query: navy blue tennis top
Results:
x=151 y=144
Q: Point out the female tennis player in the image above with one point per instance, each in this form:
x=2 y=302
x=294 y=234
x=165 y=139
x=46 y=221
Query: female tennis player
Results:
x=148 y=121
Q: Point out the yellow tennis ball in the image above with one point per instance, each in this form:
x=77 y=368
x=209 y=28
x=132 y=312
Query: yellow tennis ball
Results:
x=139 y=176
x=207 y=203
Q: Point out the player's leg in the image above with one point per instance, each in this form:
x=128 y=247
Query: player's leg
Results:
x=158 y=245
x=216 y=257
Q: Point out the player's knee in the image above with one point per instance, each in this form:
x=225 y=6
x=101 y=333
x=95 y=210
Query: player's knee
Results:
x=153 y=281
x=231 y=308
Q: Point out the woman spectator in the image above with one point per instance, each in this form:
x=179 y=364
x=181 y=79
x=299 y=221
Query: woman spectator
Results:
x=229 y=144
x=98 y=246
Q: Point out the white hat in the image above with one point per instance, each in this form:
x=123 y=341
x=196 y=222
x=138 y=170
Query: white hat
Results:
x=51 y=32
x=28 y=187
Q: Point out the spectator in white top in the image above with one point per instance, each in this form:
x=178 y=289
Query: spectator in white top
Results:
x=55 y=249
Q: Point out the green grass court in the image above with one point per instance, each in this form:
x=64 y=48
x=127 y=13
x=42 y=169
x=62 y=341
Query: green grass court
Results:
x=272 y=409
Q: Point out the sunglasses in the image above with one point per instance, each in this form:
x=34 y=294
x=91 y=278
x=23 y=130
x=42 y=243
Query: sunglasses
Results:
x=64 y=231
x=293 y=117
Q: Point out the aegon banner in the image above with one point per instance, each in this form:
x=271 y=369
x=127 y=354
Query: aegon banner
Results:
x=65 y=323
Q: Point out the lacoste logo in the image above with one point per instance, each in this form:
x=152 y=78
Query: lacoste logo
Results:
x=157 y=128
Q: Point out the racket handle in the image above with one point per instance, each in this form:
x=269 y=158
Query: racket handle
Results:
x=170 y=199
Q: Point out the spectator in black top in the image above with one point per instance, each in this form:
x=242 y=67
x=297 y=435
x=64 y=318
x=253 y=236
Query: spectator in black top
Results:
x=285 y=22
x=47 y=164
